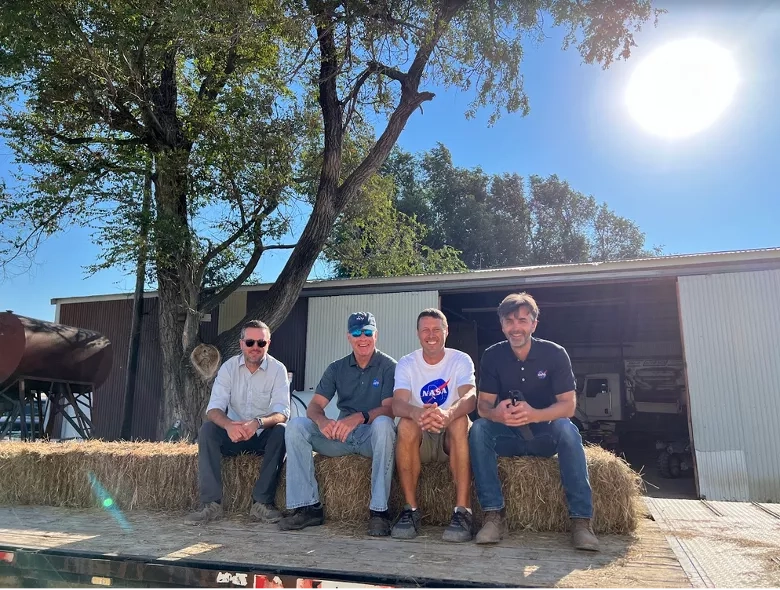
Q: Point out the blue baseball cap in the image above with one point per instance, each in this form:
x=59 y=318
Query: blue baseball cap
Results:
x=360 y=320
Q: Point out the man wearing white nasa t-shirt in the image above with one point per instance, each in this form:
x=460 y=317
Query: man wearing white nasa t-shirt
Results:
x=434 y=392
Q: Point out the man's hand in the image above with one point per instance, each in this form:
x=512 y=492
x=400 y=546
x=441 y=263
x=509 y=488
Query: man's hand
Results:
x=327 y=428
x=346 y=425
x=515 y=415
x=237 y=431
x=434 y=419
x=250 y=428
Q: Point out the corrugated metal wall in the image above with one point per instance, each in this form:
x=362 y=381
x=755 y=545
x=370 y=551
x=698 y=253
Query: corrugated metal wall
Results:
x=113 y=319
x=288 y=342
x=730 y=325
x=396 y=313
x=232 y=310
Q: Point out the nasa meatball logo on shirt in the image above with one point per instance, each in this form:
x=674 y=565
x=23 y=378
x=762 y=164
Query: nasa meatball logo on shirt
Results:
x=435 y=392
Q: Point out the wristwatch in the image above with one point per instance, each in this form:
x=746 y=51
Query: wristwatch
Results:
x=366 y=417
x=259 y=420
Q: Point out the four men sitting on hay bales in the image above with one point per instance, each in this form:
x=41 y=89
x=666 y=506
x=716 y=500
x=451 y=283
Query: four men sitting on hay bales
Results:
x=526 y=400
x=247 y=412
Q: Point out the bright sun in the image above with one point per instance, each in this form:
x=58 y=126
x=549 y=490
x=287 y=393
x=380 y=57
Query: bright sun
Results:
x=682 y=87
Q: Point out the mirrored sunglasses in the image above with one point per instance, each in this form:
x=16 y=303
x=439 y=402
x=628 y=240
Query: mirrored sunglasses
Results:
x=249 y=342
x=365 y=332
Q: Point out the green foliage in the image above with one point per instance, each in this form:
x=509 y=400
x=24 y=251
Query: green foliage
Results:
x=373 y=239
x=490 y=221
x=95 y=94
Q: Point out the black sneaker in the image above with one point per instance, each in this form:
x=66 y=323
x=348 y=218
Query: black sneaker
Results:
x=303 y=517
x=461 y=529
x=379 y=524
x=408 y=524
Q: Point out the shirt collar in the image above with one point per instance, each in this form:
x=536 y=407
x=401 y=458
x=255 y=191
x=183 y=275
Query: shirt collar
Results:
x=353 y=360
x=532 y=352
x=263 y=363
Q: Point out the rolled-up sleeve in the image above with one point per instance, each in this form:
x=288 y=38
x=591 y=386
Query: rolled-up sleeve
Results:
x=220 y=391
x=280 y=394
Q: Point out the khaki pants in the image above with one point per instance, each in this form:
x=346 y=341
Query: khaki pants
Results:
x=432 y=447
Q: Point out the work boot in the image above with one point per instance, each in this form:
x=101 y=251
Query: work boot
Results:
x=493 y=529
x=461 y=529
x=407 y=525
x=379 y=524
x=266 y=513
x=582 y=535
x=210 y=511
x=302 y=517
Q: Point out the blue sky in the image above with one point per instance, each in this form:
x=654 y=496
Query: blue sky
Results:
x=709 y=192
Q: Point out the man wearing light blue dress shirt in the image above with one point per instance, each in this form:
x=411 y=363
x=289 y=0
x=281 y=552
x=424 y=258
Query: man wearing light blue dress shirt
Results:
x=247 y=413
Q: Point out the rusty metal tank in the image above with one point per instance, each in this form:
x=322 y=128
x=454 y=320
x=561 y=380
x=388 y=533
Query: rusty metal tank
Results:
x=45 y=350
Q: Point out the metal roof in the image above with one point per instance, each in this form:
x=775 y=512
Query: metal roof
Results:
x=520 y=276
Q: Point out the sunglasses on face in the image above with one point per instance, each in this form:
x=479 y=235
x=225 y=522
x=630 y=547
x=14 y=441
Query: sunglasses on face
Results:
x=249 y=343
x=357 y=333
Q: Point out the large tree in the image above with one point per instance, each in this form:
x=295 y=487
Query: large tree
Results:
x=206 y=94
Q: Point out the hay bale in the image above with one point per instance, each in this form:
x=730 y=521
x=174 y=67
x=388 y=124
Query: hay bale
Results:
x=153 y=476
x=164 y=476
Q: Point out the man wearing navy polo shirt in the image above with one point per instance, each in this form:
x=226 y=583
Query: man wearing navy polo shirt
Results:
x=526 y=397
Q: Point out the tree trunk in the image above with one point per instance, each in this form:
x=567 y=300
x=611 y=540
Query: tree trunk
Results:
x=183 y=394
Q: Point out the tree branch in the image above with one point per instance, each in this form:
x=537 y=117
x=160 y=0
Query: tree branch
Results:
x=213 y=253
x=410 y=100
x=212 y=84
x=222 y=294
x=391 y=73
x=281 y=246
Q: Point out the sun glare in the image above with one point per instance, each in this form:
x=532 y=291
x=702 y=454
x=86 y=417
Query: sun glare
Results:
x=682 y=88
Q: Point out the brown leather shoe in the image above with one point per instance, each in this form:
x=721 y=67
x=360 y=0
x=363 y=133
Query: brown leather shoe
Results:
x=493 y=529
x=582 y=535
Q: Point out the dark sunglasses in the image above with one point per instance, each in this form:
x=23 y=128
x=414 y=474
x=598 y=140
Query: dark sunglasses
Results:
x=250 y=343
x=357 y=333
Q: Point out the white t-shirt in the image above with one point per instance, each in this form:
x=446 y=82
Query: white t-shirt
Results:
x=437 y=383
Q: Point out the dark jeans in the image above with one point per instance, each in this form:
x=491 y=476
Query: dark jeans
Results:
x=489 y=440
x=214 y=443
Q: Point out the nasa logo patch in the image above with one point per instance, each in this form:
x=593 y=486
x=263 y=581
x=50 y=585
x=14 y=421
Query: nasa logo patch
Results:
x=375 y=383
x=435 y=392
x=542 y=374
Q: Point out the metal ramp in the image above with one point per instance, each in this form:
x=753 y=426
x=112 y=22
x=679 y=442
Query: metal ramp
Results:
x=722 y=544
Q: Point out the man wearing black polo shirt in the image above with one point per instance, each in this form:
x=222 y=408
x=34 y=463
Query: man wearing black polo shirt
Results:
x=364 y=383
x=526 y=397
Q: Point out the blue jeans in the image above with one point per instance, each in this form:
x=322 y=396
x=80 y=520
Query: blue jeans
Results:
x=489 y=440
x=375 y=440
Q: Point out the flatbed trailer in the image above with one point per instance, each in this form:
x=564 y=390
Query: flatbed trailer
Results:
x=46 y=546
